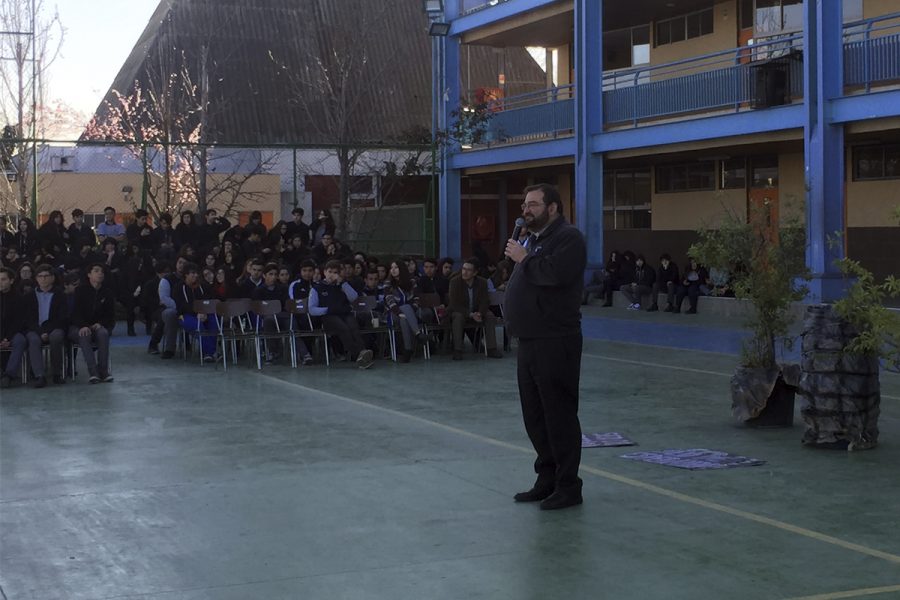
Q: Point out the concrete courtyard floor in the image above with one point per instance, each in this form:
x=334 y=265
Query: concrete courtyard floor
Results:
x=180 y=482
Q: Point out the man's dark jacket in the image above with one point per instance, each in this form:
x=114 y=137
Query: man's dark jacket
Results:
x=459 y=296
x=59 y=312
x=543 y=295
x=94 y=306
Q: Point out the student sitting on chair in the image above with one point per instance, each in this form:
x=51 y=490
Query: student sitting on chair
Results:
x=93 y=318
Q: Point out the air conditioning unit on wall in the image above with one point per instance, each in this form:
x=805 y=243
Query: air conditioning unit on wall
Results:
x=62 y=163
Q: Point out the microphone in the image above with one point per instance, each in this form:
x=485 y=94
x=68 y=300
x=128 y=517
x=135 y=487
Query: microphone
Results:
x=517 y=230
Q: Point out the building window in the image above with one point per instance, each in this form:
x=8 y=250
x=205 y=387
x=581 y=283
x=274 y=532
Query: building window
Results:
x=626 y=199
x=876 y=162
x=624 y=48
x=685 y=27
x=764 y=172
x=733 y=174
x=688 y=177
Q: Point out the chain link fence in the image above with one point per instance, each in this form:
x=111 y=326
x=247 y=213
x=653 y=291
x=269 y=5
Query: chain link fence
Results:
x=381 y=199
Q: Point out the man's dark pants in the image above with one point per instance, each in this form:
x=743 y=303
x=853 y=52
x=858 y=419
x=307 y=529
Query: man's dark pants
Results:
x=548 y=374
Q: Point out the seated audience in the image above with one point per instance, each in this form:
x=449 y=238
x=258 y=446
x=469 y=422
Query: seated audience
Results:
x=666 y=279
x=643 y=281
x=46 y=320
x=92 y=321
x=191 y=321
x=331 y=299
x=693 y=284
x=12 y=338
x=470 y=305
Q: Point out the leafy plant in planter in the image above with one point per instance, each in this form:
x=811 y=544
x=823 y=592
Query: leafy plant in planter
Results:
x=877 y=328
x=768 y=268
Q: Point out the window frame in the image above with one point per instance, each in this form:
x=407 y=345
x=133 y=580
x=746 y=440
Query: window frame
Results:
x=686 y=169
x=619 y=212
x=883 y=148
x=684 y=27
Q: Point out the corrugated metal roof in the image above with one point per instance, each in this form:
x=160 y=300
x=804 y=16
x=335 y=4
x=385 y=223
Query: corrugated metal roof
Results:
x=259 y=50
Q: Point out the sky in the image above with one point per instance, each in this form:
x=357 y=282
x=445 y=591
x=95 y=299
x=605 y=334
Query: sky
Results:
x=99 y=37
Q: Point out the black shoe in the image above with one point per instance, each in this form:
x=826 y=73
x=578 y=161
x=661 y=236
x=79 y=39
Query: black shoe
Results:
x=5 y=381
x=405 y=356
x=457 y=355
x=106 y=377
x=562 y=499
x=58 y=380
x=669 y=308
x=494 y=353
x=153 y=350
x=691 y=311
x=40 y=382
x=653 y=308
x=132 y=332
x=93 y=379
x=167 y=354
x=535 y=494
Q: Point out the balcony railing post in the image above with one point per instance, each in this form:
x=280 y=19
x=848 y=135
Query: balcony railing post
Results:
x=737 y=80
x=866 y=43
x=634 y=102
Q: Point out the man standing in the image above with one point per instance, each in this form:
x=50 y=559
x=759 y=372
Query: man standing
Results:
x=543 y=309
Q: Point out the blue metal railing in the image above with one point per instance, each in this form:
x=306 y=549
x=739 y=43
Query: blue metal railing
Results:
x=872 y=51
x=765 y=74
x=535 y=115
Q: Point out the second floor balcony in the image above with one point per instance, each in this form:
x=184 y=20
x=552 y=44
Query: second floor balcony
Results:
x=766 y=74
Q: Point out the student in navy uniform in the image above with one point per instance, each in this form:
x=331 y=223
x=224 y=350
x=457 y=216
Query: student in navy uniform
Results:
x=666 y=279
x=543 y=309
x=253 y=279
x=207 y=233
x=46 y=321
x=11 y=325
x=192 y=290
x=299 y=288
x=331 y=299
x=92 y=322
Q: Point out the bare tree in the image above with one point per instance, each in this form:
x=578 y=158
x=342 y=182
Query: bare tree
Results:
x=29 y=45
x=163 y=125
x=333 y=83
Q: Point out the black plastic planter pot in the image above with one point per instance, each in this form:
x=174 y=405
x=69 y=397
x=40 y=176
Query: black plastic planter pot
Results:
x=779 y=409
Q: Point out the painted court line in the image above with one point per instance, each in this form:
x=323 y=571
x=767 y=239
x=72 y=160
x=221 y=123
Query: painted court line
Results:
x=852 y=593
x=815 y=535
x=677 y=368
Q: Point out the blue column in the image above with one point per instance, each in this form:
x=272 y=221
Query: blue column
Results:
x=450 y=202
x=823 y=146
x=589 y=122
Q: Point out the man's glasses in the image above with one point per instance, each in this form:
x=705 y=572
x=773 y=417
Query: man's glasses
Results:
x=532 y=205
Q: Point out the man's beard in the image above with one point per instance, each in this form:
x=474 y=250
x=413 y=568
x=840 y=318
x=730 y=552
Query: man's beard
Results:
x=535 y=224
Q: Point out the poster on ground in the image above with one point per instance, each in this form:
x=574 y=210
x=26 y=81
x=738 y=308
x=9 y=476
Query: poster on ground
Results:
x=695 y=459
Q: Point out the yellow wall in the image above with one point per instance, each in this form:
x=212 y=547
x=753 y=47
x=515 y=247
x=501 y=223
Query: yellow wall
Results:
x=723 y=37
x=791 y=185
x=694 y=210
x=91 y=192
x=877 y=8
x=871 y=203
